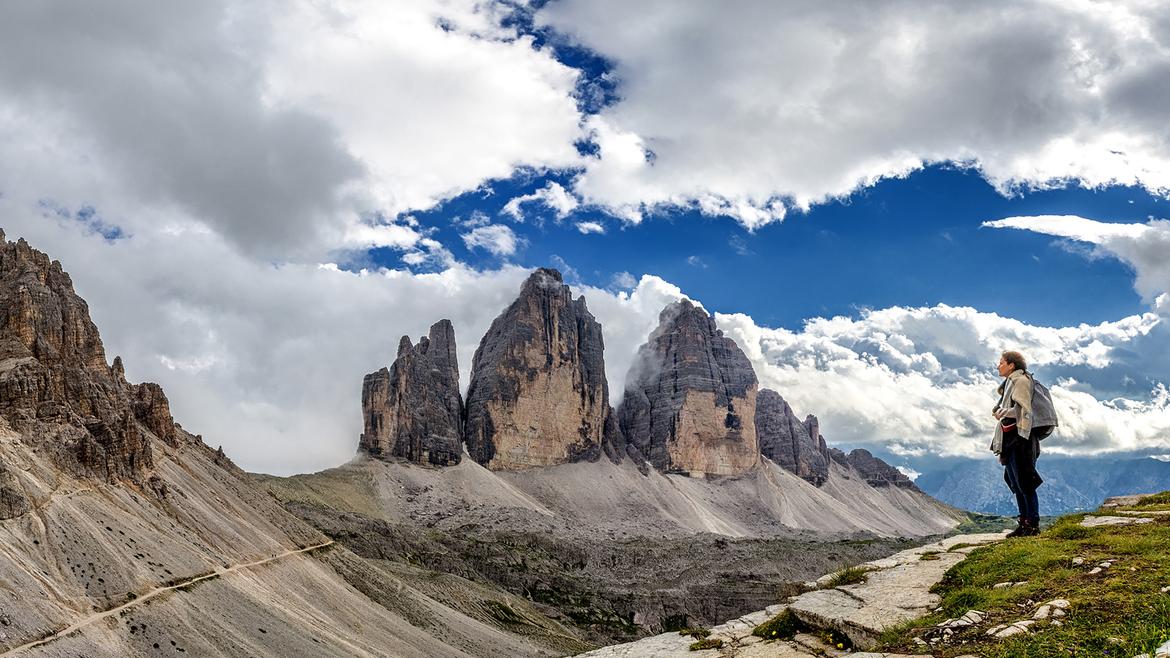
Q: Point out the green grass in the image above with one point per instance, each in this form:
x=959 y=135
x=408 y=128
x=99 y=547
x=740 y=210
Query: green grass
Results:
x=783 y=626
x=1119 y=612
x=929 y=555
x=707 y=643
x=848 y=576
x=1156 y=499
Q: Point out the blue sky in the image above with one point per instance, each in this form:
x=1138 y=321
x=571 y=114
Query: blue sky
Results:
x=257 y=201
x=913 y=241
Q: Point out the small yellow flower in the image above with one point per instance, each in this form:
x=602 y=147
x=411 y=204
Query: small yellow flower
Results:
x=840 y=645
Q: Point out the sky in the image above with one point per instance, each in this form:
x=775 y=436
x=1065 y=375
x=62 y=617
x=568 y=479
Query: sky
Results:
x=874 y=200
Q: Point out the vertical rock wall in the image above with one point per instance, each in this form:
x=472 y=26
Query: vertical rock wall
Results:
x=690 y=399
x=786 y=440
x=414 y=410
x=538 y=394
x=55 y=384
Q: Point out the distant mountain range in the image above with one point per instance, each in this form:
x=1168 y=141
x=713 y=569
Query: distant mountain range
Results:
x=1070 y=484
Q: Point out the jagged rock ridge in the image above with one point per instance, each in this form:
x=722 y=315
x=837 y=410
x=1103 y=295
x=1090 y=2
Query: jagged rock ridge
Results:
x=690 y=399
x=876 y=472
x=794 y=445
x=414 y=410
x=538 y=394
x=55 y=383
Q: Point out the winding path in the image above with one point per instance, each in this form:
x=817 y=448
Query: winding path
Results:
x=152 y=594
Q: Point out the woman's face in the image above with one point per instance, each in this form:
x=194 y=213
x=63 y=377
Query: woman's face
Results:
x=1005 y=368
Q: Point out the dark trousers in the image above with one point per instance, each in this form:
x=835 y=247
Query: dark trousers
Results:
x=1022 y=478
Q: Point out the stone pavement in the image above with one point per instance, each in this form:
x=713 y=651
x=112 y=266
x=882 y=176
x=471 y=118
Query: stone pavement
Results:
x=896 y=590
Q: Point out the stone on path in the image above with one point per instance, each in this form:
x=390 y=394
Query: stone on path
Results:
x=1098 y=521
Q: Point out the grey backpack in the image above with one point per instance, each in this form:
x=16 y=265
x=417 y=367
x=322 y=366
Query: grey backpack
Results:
x=1044 y=420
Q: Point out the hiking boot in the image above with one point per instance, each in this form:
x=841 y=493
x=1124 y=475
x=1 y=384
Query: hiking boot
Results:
x=1025 y=529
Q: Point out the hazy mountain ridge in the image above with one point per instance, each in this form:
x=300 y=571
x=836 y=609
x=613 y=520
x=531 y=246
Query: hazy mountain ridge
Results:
x=1070 y=483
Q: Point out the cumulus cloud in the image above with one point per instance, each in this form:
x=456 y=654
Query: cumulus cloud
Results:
x=495 y=238
x=1144 y=247
x=921 y=380
x=748 y=109
x=552 y=196
x=291 y=129
x=590 y=227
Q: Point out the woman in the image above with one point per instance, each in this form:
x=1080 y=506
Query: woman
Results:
x=1016 y=450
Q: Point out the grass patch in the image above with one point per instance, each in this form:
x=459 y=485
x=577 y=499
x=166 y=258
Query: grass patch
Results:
x=783 y=626
x=697 y=633
x=848 y=576
x=1155 y=499
x=1116 y=612
x=929 y=555
x=707 y=643
x=975 y=523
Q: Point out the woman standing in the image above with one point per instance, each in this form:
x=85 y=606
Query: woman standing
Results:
x=1016 y=449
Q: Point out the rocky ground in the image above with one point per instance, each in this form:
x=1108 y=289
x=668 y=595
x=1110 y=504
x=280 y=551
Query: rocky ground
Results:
x=832 y=618
x=630 y=558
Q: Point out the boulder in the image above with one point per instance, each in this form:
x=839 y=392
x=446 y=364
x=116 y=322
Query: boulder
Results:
x=538 y=394
x=690 y=399
x=414 y=410
x=786 y=440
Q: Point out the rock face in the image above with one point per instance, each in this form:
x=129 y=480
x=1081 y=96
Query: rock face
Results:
x=55 y=383
x=690 y=400
x=414 y=410
x=538 y=394
x=790 y=442
x=876 y=472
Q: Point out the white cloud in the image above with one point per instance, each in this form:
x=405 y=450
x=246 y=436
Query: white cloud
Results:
x=623 y=281
x=551 y=195
x=590 y=227
x=277 y=125
x=908 y=472
x=748 y=109
x=921 y=380
x=1144 y=247
x=495 y=238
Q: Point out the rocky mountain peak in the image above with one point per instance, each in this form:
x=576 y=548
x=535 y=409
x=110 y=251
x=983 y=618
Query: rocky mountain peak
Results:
x=538 y=394
x=55 y=384
x=790 y=442
x=690 y=400
x=876 y=472
x=414 y=410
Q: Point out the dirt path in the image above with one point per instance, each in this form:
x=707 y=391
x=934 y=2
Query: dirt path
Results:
x=153 y=593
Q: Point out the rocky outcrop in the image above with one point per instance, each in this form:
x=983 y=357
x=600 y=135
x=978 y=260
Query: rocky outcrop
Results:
x=538 y=394
x=690 y=399
x=414 y=410
x=788 y=441
x=876 y=472
x=55 y=384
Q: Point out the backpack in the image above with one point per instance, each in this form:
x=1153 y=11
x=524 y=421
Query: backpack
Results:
x=1044 y=420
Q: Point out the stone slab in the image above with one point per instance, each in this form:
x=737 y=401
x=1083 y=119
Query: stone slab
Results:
x=1098 y=521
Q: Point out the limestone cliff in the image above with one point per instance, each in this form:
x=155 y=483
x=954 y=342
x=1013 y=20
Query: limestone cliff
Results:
x=538 y=394
x=414 y=410
x=788 y=441
x=55 y=383
x=690 y=400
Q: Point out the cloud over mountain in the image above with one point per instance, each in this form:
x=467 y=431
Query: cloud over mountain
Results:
x=748 y=109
